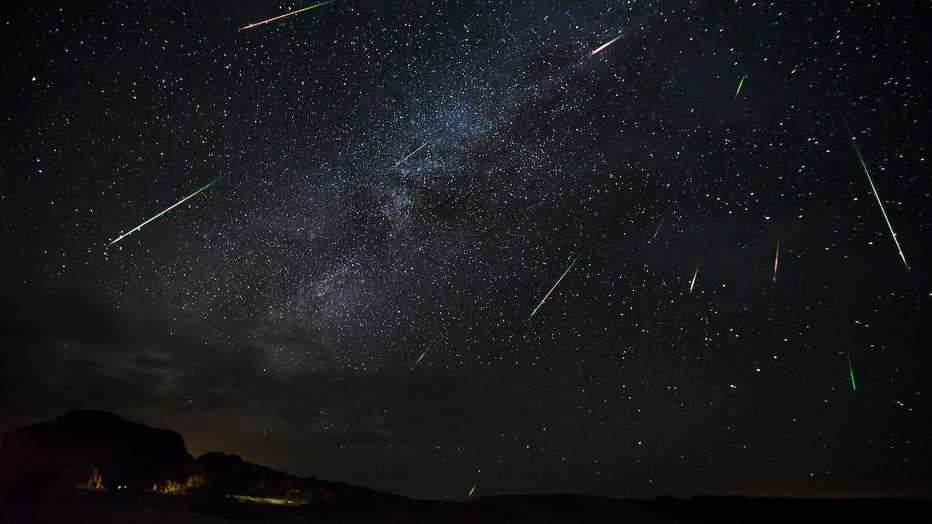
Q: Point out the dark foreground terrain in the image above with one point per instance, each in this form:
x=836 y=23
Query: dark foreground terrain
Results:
x=95 y=467
x=151 y=507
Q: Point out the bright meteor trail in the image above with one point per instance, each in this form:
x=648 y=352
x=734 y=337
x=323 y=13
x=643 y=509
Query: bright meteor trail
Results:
x=606 y=44
x=555 y=285
x=851 y=372
x=740 y=83
x=693 y=283
x=776 y=261
x=173 y=206
x=660 y=225
x=879 y=203
x=419 y=359
x=411 y=154
x=274 y=18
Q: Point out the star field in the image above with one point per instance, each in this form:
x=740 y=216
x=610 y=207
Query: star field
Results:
x=278 y=314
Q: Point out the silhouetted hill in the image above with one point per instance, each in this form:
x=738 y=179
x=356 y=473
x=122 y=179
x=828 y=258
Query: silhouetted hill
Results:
x=220 y=474
x=93 y=466
x=83 y=451
x=87 y=450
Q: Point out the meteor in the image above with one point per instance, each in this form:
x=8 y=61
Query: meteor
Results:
x=398 y=163
x=851 y=372
x=693 y=283
x=419 y=359
x=173 y=206
x=555 y=285
x=879 y=203
x=659 y=225
x=473 y=489
x=740 y=83
x=274 y=18
x=776 y=260
x=606 y=44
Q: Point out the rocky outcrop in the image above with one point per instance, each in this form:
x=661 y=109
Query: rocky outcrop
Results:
x=95 y=451
x=173 y=487
x=232 y=475
x=94 y=482
x=88 y=450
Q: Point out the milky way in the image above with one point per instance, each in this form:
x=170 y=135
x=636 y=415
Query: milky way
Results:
x=401 y=183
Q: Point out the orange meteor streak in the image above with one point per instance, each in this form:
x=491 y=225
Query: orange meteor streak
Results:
x=776 y=261
x=419 y=359
x=606 y=44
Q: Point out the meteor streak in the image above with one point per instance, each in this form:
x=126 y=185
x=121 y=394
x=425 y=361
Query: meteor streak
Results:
x=606 y=44
x=851 y=372
x=173 y=206
x=398 y=163
x=879 y=203
x=659 y=225
x=776 y=260
x=555 y=285
x=740 y=83
x=693 y=283
x=274 y=18
x=473 y=489
x=419 y=359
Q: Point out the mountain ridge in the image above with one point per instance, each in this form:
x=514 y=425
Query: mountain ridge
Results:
x=94 y=466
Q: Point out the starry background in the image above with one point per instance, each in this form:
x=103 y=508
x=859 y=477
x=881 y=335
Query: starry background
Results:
x=280 y=313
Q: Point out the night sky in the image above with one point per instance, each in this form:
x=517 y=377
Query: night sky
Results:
x=280 y=313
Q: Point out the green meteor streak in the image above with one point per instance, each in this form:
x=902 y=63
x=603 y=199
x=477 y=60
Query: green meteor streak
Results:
x=555 y=285
x=140 y=226
x=851 y=372
x=882 y=210
x=740 y=83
